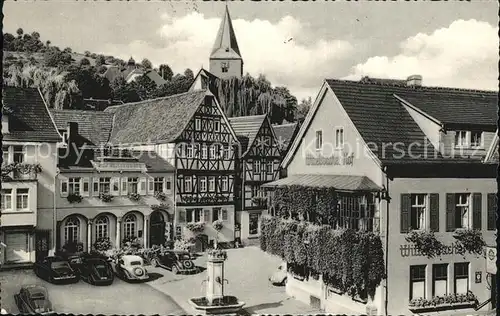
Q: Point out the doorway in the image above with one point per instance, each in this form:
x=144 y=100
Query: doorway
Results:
x=157 y=226
x=42 y=244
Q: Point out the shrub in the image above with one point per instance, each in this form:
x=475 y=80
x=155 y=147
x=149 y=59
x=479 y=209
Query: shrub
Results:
x=426 y=243
x=469 y=240
x=102 y=244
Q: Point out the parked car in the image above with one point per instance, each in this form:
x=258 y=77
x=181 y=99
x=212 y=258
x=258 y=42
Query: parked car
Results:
x=3 y=311
x=178 y=261
x=130 y=267
x=92 y=269
x=33 y=299
x=55 y=270
x=279 y=276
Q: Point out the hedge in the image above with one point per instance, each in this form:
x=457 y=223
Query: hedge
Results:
x=350 y=261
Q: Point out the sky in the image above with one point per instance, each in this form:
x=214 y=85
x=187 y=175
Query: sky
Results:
x=294 y=43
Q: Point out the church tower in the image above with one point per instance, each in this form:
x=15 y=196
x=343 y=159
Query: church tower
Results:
x=225 y=59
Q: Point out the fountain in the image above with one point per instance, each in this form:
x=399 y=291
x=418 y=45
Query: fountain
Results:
x=215 y=302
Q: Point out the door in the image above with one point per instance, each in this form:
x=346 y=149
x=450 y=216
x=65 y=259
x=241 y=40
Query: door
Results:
x=17 y=250
x=493 y=291
x=42 y=245
x=156 y=229
x=201 y=243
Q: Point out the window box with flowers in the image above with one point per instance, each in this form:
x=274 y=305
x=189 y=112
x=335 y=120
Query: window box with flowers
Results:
x=426 y=243
x=134 y=197
x=74 y=198
x=24 y=171
x=446 y=302
x=196 y=227
x=105 y=197
x=160 y=196
x=160 y=207
x=469 y=240
x=102 y=244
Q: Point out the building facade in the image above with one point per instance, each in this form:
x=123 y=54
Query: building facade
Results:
x=29 y=166
x=191 y=132
x=108 y=195
x=426 y=160
x=258 y=164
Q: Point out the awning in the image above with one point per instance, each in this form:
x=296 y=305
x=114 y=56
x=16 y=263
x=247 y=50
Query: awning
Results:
x=338 y=182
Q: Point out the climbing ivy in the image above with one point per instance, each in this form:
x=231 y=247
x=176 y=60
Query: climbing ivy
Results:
x=350 y=261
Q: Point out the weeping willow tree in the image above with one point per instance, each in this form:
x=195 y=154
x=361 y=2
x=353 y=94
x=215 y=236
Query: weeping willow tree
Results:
x=58 y=92
x=249 y=96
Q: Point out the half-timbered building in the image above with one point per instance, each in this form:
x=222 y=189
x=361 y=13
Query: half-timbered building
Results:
x=190 y=131
x=258 y=164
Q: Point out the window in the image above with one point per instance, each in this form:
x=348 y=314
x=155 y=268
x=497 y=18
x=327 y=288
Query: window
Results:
x=461 y=277
x=462 y=210
x=339 y=138
x=270 y=166
x=211 y=184
x=204 y=151
x=74 y=186
x=103 y=186
x=439 y=279
x=417 y=211
x=224 y=66
x=188 y=184
x=19 y=154
x=6 y=199
x=253 y=223
x=355 y=212
x=194 y=215
x=319 y=140
x=216 y=214
x=417 y=281
x=129 y=225
x=22 y=199
x=168 y=184
x=476 y=139
x=460 y=138
x=190 y=150
x=257 y=166
x=71 y=230
x=101 y=227
x=133 y=184
x=203 y=184
x=225 y=185
x=217 y=126
x=197 y=124
x=158 y=184
x=212 y=151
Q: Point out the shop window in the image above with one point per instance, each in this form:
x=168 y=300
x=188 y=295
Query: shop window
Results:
x=439 y=279
x=417 y=281
x=461 y=277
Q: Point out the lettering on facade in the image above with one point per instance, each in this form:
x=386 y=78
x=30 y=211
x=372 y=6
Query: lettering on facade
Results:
x=412 y=251
x=344 y=159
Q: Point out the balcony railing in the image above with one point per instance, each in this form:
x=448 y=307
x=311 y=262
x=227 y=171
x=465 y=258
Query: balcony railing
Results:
x=20 y=171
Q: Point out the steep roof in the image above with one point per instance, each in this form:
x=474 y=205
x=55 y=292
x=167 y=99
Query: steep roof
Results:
x=154 y=163
x=246 y=129
x=93 y=126
x=225 y=45
x=156 y=120
x=29 y=118
x=285 y=134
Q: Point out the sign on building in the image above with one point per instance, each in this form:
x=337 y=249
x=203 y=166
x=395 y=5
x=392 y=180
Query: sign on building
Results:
x=491 y=260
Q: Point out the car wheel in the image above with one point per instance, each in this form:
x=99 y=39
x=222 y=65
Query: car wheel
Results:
x=174 y=270
x=154 y=263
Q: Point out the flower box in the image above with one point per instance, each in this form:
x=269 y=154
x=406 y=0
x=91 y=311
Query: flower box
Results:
x=160 y=196
x=134 y=197
x=105 y=197
x=450 y=301
x=196 y=227
x=74 y=198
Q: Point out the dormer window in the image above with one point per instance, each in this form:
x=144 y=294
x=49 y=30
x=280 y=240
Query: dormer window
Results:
x=460 y=139
x=476 y=139
x=224 y=66
x=468 y=139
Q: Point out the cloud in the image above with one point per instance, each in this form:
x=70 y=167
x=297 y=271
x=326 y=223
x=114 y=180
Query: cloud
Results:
x=462 y=55
x=299 y=64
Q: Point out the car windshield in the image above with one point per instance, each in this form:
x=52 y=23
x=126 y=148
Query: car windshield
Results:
x=184 y=256
x=59 y=265
x=135 y=263
x=38 y=299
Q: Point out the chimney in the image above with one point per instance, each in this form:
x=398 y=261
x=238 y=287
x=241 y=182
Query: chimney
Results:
x=72 y=131
x=414 y=81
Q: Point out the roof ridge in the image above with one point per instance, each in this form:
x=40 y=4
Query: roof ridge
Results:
x=247 y=116
x=156 y=99
x=80 y=111
x=288 y=124
x=413 y=87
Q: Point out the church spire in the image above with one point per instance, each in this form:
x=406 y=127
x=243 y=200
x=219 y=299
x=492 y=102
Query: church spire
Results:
x=225 y=45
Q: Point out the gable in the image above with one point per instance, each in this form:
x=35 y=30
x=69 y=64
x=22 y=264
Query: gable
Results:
x=265 y=142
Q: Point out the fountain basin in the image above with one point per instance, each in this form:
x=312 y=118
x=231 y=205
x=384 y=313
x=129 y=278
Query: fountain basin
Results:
x=228 y=305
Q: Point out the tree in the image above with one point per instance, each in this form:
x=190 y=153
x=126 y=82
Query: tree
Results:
x=84 y=62
x=188 y=73
x=166 y=72
x=35 y=35
x=100 y=60
x=67 y=50
x=146 y=64
x=303 y=109
x=20 y=32
x=55 y=58
x=145 y=87
x=123 y=91
x=87 y=53
x=47 y=43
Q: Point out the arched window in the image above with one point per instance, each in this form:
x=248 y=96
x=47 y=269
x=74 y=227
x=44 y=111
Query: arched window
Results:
x=71 y=230
x=130 y=223
x=101 y=227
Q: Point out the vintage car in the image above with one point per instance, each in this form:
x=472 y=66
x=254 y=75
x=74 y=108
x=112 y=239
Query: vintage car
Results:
x=33 y=299
x=55 y=270
x=92 y=269
x=177 y=261
x=279 y=276
x=130 y=267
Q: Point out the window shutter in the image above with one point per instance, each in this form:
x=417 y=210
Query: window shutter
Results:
x=95 y=186
x=115 y=186
x=405 y=212
x=151 y=185
x=64 y=187
x=182 y=216
x=224 y=214
x=124 y=186
x=85 y=186
x=492 y=211
x=450 y=212
x=165 y=185
x=206 y=216
x=142 y=186
x=476 y=211
x=434 y=211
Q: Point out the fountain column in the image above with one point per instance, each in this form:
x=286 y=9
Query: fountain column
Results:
x=215 y=280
